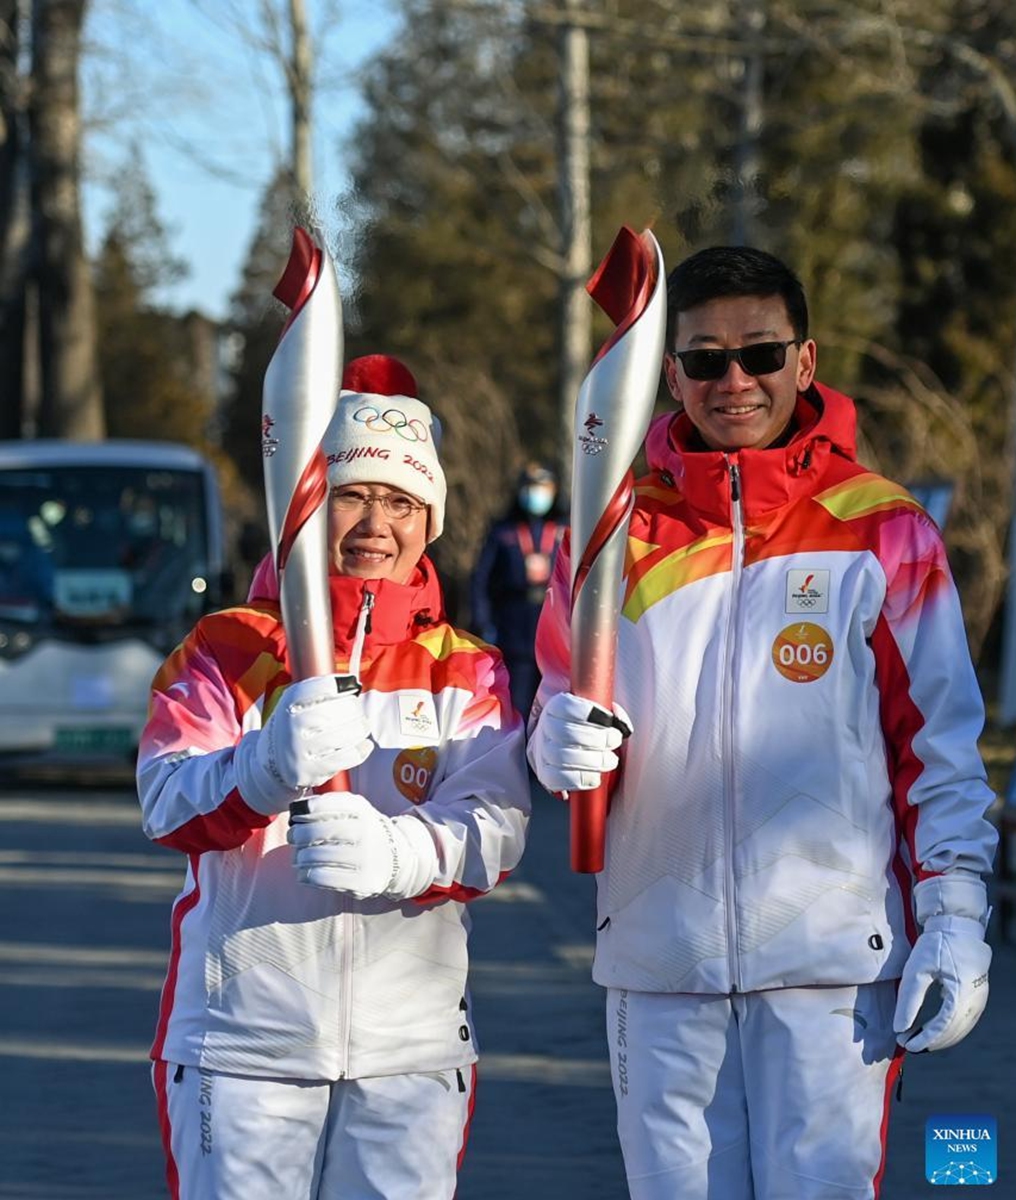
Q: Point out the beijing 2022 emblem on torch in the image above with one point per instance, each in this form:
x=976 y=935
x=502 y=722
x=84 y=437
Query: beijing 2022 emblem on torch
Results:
x=961 y=1149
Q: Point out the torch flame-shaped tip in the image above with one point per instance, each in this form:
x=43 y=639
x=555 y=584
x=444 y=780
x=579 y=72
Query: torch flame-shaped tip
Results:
x=623 y=283
x=300 y=274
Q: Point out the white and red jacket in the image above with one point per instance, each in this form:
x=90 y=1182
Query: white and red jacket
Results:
x=268 y=976
x=793 y=657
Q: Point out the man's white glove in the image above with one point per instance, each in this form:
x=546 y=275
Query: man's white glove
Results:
x=342 y=842
x=952 y=910
x=574 y=742
x=318 y=728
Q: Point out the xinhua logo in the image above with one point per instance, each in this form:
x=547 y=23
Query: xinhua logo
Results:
x=961 y=1148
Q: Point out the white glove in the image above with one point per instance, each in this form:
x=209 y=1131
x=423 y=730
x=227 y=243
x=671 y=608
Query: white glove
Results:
x=317 y=729
x=342 y=842
x=951 y=951
x=574 y=742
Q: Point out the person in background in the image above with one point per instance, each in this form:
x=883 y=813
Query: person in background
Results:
x=511 y=575
x=797 y=839
x=315 y=1036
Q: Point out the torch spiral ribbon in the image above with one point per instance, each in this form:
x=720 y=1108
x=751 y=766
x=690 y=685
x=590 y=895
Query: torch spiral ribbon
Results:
x=308 y=496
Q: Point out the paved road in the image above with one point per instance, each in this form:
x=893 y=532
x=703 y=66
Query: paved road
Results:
x=86 y=899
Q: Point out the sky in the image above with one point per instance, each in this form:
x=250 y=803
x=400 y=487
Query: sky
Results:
x=208 y=114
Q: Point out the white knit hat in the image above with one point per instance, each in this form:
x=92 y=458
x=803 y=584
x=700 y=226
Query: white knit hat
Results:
x=381 y=433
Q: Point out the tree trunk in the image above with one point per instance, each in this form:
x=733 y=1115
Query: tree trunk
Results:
x=71 y=400
x=14 y=223
x=301 y=89
x=576 y=314
x=747 y=193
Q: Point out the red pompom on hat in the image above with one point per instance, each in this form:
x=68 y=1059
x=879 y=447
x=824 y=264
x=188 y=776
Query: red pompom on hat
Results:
x=380 y=375
x=382 y=433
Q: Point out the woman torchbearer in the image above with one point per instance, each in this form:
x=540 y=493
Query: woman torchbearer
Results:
x=315 y=1036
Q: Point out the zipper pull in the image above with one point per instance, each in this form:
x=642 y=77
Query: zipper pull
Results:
x=362 y=629
x=735 y=482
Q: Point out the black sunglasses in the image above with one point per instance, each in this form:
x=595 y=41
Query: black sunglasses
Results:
x=760 y=358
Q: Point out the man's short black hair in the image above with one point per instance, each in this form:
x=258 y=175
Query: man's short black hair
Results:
x=720 y=271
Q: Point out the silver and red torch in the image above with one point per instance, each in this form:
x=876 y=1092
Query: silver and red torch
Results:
x=612 y=415
x=300 y=391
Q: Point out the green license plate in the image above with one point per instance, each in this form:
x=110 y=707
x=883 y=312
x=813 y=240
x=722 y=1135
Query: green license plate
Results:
x=113 y=740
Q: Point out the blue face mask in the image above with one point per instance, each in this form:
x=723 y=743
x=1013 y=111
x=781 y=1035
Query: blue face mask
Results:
x=537 y=500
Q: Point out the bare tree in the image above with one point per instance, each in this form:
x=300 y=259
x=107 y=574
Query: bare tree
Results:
x=71 y=399
x=279 y=40
x=299 y=70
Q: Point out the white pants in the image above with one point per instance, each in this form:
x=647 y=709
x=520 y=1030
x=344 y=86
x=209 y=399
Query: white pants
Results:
x=231 y=1137
x=777 y=1095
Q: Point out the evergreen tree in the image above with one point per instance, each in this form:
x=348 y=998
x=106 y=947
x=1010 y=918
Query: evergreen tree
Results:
x=147 y=373
x=871 y=148
x=459 y=247
x=955 y=231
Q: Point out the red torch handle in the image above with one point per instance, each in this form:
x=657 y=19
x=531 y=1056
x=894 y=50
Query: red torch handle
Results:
x=340 y=781
x=588 y=812
x=337 y=783
x=593 y=678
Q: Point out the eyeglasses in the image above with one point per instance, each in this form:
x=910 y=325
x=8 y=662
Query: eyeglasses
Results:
x=760 y=358
x=394 y=505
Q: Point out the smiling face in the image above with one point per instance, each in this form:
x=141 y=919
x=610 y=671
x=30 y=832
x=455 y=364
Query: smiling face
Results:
x=370 y=544
x=739 y=411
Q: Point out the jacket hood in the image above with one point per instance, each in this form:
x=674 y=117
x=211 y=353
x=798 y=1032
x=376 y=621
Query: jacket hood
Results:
x=825 y=423
x=400 y=610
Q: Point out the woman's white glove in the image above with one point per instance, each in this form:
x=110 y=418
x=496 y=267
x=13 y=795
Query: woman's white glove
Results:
x=317 y=729
x=574 y=741
x=342 y=842
x=952 y=910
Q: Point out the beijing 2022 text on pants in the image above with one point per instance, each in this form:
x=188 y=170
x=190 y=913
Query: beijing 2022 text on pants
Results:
x=776 y=1095
x=232 y=1137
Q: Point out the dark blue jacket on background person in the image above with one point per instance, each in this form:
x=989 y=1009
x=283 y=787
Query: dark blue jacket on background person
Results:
x=511 y=577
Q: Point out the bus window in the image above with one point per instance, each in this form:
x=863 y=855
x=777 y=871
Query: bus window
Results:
x=117 y=546
x=25 y=569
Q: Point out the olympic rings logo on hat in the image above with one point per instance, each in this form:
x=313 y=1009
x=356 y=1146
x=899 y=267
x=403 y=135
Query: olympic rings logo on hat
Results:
x=392 y=420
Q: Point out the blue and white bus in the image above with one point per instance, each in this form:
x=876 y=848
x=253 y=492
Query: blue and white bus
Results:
x=109 y=552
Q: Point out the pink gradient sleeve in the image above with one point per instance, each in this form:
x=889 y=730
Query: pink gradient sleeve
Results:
x=186 y=783
x=553 y=633
x=932 y=712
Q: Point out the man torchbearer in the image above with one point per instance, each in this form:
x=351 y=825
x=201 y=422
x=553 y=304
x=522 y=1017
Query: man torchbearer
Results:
x=797 y=839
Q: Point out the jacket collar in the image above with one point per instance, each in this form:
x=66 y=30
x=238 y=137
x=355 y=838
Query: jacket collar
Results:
x=400 y=610
x=825 y=422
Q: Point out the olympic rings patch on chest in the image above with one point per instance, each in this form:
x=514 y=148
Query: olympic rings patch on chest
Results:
x=391 y=420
